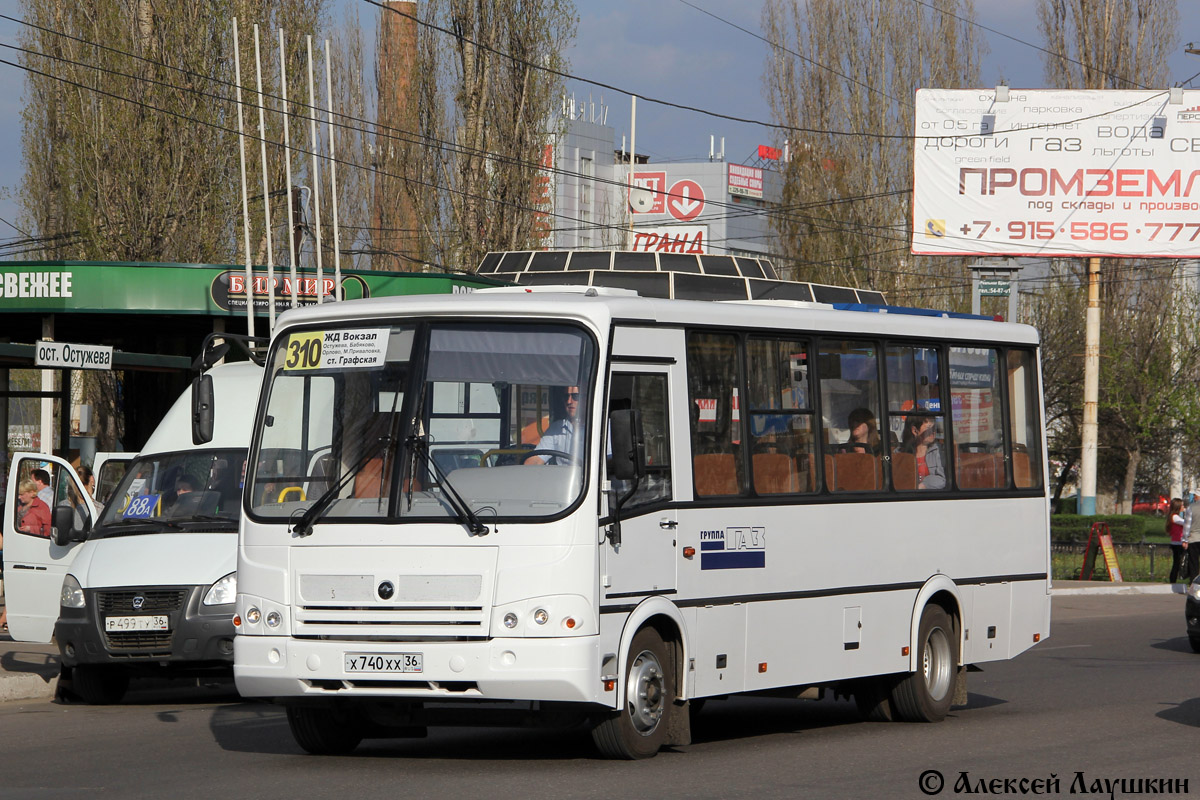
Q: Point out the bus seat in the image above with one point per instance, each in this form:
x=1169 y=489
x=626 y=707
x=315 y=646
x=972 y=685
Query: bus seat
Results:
x=830 y=477
x=774 y=473
x=904 y=471
x=979 y=470
x=368 y=480
x=856 y=472
x=715 y=474
x=1022 y=477
x=807 y=477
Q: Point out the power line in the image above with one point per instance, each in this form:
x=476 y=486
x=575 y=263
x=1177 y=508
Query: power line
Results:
x=798 y=55
x=1051 y=53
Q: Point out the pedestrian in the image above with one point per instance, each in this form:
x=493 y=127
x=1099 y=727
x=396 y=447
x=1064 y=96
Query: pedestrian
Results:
x=42 y=478
x=1174 y=528
x=1191 y=534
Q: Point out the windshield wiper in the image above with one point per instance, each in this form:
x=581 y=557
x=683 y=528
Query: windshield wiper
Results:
x=303 y=524
x=115 y=527
x=469 y=518
x=205 y=518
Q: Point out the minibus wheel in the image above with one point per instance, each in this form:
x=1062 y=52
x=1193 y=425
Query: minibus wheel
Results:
x=99 y=685
x=325 y=731
x=926 y=695
x=640 y=727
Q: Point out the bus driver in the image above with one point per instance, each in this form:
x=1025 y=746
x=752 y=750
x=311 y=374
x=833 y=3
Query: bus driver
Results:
x=560 y=434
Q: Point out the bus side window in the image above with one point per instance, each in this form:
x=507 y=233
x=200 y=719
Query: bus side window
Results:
x=848 y=381
x=1024 y=422
x=713 y=362
x=647 y=392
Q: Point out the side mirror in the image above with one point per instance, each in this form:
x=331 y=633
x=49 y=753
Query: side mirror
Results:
x=202 y=409
x=628 y=445
x=63 y=531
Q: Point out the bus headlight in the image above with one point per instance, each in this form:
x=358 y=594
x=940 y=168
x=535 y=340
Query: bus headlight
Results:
x=72 y=593
x=222 y=592
x=510 y=620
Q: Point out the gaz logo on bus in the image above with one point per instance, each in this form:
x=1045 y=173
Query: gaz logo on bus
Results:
x=733 y=548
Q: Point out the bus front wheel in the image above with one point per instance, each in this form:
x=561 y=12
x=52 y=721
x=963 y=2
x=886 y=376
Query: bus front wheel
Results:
x=640 y=727
x=926 y=695
x=325 y=731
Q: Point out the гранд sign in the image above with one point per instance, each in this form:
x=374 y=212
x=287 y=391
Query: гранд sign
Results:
x=72 y=356
x=1056 y=173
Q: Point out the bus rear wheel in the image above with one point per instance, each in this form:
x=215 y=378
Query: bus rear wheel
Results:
x=325 y=731
x=926 y=695
x=640 y=727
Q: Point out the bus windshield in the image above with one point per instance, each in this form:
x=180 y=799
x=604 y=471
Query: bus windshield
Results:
x=170 y=491
x=400 y=421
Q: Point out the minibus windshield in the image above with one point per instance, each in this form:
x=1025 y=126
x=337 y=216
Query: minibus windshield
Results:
x=190 y=490
x=423 y=420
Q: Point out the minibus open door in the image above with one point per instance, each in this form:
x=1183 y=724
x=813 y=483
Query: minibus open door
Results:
x=34 y=566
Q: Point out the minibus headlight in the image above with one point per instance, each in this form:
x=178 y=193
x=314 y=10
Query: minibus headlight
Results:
x=541 y=616
x=510 y=620
x=253 y=615
x=222 y=592
x=72 y=594
x=273 y=619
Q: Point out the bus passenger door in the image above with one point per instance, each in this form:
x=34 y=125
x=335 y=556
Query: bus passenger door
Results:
x=644 y=561
x=34 y=566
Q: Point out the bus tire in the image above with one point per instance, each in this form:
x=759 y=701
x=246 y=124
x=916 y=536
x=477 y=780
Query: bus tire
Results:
x=640 y=727
x=873 y=696
x=926 y=695
x=325 y=731
x=98 y=685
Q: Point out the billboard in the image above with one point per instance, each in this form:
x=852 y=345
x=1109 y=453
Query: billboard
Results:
x=1067 y=173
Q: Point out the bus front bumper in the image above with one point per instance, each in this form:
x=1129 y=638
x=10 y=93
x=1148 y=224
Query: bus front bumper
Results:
x=563 y=669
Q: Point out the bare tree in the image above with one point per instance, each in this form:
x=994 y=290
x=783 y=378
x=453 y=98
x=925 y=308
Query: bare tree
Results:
x=1123 y=44
x=126 y=126
x=484 y=121
x=1108 y=44
x=842 y=78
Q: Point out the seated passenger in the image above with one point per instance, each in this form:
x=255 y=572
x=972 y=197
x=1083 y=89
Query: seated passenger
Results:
x=864 y=433
x=560 y=435
x=919 y=439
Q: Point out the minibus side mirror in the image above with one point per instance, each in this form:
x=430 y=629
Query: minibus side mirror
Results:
x=202 y=409
x=64 y=531
x=628 y=445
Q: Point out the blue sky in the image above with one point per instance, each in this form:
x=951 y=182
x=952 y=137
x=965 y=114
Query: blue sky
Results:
x=661 y=48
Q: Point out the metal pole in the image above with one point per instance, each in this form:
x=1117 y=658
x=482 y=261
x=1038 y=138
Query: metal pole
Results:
x=316 y=173
x=262 y=146
x=632 y=163
x=237 y=72
x=1091 y=393
x=287 y=155
x=337 y=250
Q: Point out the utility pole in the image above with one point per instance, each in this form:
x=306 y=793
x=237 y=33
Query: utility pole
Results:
x=1091 y=393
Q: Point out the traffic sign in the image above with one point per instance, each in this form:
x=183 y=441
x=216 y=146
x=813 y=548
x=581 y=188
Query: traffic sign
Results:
x=685 y=201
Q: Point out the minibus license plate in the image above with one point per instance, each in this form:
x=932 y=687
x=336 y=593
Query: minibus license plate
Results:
x=392 y=662
x=157 y=622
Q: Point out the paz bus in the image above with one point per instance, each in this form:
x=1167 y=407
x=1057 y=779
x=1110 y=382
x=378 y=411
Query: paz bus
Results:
x=414 y=552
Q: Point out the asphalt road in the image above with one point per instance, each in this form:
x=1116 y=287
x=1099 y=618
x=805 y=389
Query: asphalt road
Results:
x=1113 y=694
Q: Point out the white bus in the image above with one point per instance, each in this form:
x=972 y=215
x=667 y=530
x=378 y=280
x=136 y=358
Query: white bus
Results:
x=703 y=526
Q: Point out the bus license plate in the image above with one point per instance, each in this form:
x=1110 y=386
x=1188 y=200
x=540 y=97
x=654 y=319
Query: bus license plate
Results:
x=393 y=662
x=157 y=622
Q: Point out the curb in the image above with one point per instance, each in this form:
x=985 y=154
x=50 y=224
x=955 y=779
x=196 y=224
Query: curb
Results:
x=17 y=686
x=1121 y=588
